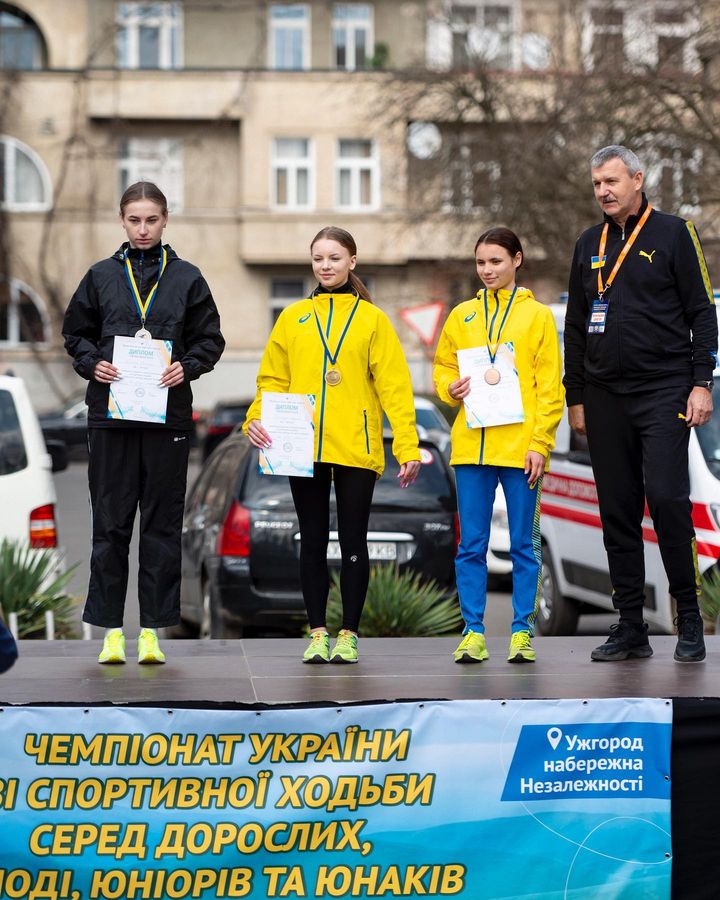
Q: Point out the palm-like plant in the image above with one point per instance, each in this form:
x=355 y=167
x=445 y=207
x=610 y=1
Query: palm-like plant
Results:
x=26 y=588
x=710 y=599
x=399 y=604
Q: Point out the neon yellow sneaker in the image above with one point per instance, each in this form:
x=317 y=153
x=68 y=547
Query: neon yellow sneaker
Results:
x=345 y=649
x=113 y=650
x=472 y=648
x=521 y=650
x=149 y=647
x=318 y=650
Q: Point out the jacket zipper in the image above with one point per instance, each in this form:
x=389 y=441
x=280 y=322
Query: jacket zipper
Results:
x=482 y=445
x=367 y=436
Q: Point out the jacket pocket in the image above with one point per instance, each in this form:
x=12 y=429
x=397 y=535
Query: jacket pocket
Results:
x=367 y=434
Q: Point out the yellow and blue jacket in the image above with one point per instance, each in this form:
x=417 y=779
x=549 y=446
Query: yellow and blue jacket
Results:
x=375 y=377
x=531 y=328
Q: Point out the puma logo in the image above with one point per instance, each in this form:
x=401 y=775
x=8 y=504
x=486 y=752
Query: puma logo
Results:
x=648 y=255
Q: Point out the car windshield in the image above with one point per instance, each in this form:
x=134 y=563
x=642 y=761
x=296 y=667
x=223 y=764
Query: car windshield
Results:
x=13 y=457
x=432 y=490
x=230 y=415
x=709 y=438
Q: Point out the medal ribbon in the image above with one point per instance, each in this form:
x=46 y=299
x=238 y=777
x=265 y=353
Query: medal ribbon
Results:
x=333 y=357
x=624 y=252
x=493 y=348
x=144 y=308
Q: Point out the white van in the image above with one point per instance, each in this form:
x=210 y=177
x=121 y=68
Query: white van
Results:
x=575 y=573
x=27 y=492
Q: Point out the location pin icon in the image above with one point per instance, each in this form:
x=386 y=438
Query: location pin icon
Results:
x=554 y=736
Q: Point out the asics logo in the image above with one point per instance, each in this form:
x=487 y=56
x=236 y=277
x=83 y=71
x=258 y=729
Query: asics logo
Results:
x=648 y=256
x=304 y=318
x=470 y=317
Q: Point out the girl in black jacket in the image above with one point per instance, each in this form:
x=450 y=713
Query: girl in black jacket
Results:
x=144 y=291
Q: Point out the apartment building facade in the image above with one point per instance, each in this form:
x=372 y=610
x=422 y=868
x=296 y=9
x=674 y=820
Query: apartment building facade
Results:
x=265 y=121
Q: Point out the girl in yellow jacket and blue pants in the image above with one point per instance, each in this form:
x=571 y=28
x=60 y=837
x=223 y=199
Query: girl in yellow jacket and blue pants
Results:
x=340 y=347
x=501 y=317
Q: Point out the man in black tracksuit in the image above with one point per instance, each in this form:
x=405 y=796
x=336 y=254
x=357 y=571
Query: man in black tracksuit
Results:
x=640 y=349
x=136 y=463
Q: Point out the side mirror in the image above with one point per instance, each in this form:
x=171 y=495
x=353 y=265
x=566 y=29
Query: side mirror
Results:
x=58 y=455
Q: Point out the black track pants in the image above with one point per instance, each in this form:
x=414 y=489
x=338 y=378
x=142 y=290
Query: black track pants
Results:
x=639 y=450
x=131 y=468
x=353 y=490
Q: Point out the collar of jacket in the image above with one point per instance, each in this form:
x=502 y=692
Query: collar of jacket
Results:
x=504 y=295
x=346 y=288
x=152 y=253
x=631 y=221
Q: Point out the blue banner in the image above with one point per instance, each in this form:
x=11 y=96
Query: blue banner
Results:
x=477 y=799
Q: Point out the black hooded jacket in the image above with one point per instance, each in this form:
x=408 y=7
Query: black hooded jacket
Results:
x=183 y=312
x=661 y=325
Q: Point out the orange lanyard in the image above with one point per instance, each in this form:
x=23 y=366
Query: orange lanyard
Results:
x=625 y=250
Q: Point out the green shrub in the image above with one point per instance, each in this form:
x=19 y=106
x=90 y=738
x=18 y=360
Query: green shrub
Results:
x=26 y=590
x=399 y=604
x=710 y=599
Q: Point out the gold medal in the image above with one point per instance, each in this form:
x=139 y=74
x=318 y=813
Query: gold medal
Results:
x=492 y=376
x=333 y=377
x=144 y=334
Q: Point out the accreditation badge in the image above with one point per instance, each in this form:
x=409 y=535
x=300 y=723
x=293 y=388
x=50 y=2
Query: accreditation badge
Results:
x=598 y=317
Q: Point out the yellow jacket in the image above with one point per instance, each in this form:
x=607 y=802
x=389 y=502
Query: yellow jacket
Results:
x=531 y=328
x=375 y=377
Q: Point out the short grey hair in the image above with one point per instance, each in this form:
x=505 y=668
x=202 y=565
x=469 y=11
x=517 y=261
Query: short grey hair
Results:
x=617 y=151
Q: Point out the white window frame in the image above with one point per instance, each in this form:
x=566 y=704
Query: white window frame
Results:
x=169 y=22
x=13 y=316
x=278 y=304
x=460 y=160
x=441 y=31
x=350 y=26
x=12 y=147
x=157 y=160
x=290 y=24
x=640 y=32
x=291 y=164
x=355 y=165
x=665 y=152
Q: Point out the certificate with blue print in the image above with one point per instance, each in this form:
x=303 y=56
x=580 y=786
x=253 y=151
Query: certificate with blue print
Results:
x=289 y=420
x=495 y=397
x=138 y=395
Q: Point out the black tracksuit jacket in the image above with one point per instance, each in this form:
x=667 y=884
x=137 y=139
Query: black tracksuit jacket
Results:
x=183 y=312
x=661 y=328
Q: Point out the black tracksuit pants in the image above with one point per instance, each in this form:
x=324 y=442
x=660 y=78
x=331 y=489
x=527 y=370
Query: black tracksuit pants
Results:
x=353 y=491
x=639 y=449
x=131 y=468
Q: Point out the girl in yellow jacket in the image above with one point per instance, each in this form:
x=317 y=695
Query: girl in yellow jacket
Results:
x=515 y=362
x=340 y=347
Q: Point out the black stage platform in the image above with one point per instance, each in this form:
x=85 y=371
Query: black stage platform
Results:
x=270 y=671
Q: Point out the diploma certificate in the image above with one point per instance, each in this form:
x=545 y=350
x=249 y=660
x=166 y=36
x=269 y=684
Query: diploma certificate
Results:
x=491 y=404
x=288 y=419
x=137 y=396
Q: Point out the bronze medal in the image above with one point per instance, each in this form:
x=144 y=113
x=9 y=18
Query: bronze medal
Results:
x=492 y=376
x=333 y=377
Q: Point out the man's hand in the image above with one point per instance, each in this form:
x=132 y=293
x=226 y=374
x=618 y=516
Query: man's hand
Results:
x=699 y=407
x=576 y=417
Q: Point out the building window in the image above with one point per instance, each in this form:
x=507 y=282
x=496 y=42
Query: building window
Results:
x=472 y=177
x=283 y=292
x=352 y=30
x=292 y=174
x=358 y=175
x=672 y=173
x=483 y=33
x=21 y=44
x=149 y=35
x=289 y=43
x=658 y=34
x=159 y=161
x=25 y=184
x=23 y=319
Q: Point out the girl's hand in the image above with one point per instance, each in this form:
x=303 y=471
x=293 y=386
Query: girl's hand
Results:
x=258 y=436
x=459 y=389
x=105 y=372
x=409 y=471
x=534 y=466
x=172 y=376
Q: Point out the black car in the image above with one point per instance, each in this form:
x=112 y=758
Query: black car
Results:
x=69 y=426
x=241 y=541
x=222 y=421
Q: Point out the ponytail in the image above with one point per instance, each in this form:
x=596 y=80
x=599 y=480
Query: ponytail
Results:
x=359 y=287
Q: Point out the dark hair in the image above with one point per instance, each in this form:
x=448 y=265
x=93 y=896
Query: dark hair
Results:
x=503 y=237
x=333 y=233
x=143 y=190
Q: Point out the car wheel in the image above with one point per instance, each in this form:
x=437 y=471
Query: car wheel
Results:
x=212 y=623
x=557 y=614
